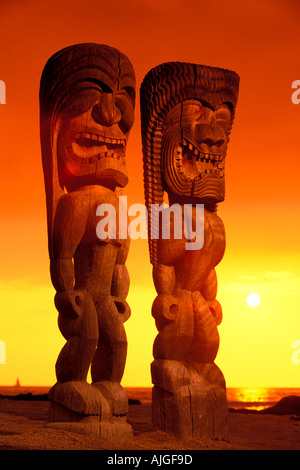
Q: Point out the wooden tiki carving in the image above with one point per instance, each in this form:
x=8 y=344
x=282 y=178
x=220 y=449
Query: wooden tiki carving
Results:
x=87 y=99
x=187 y=112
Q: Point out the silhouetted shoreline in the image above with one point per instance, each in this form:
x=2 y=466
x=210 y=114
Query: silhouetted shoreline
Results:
x=289 y=405
x=286 y=406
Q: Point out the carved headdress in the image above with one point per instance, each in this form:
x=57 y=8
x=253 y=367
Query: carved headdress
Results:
x=163 y=88
x=80 y=67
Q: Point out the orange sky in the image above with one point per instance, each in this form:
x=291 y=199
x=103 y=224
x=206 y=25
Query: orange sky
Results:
x=259 y=40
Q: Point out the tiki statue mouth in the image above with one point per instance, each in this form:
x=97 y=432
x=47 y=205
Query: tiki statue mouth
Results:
x=92 y=146
x=194 y=164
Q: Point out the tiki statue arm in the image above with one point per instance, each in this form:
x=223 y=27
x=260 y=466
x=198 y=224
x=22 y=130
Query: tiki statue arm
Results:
x=69 y=228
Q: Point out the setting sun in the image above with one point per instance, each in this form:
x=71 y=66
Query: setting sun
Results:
x=253 y=300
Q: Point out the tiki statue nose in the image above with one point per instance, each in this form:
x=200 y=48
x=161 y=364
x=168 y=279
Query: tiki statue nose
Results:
x=106 y=112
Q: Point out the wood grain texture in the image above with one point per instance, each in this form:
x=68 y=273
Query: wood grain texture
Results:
x=87 y=98
x=187 y=402
x=187 y=112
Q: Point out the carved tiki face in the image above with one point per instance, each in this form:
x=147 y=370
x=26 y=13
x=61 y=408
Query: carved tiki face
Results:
x=87 y=99
x=187 y=111
x=95 y=125
x=194 y=144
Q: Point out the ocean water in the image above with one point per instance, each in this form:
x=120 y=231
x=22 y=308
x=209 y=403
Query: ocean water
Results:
x=258 y=398
x=237 y=397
